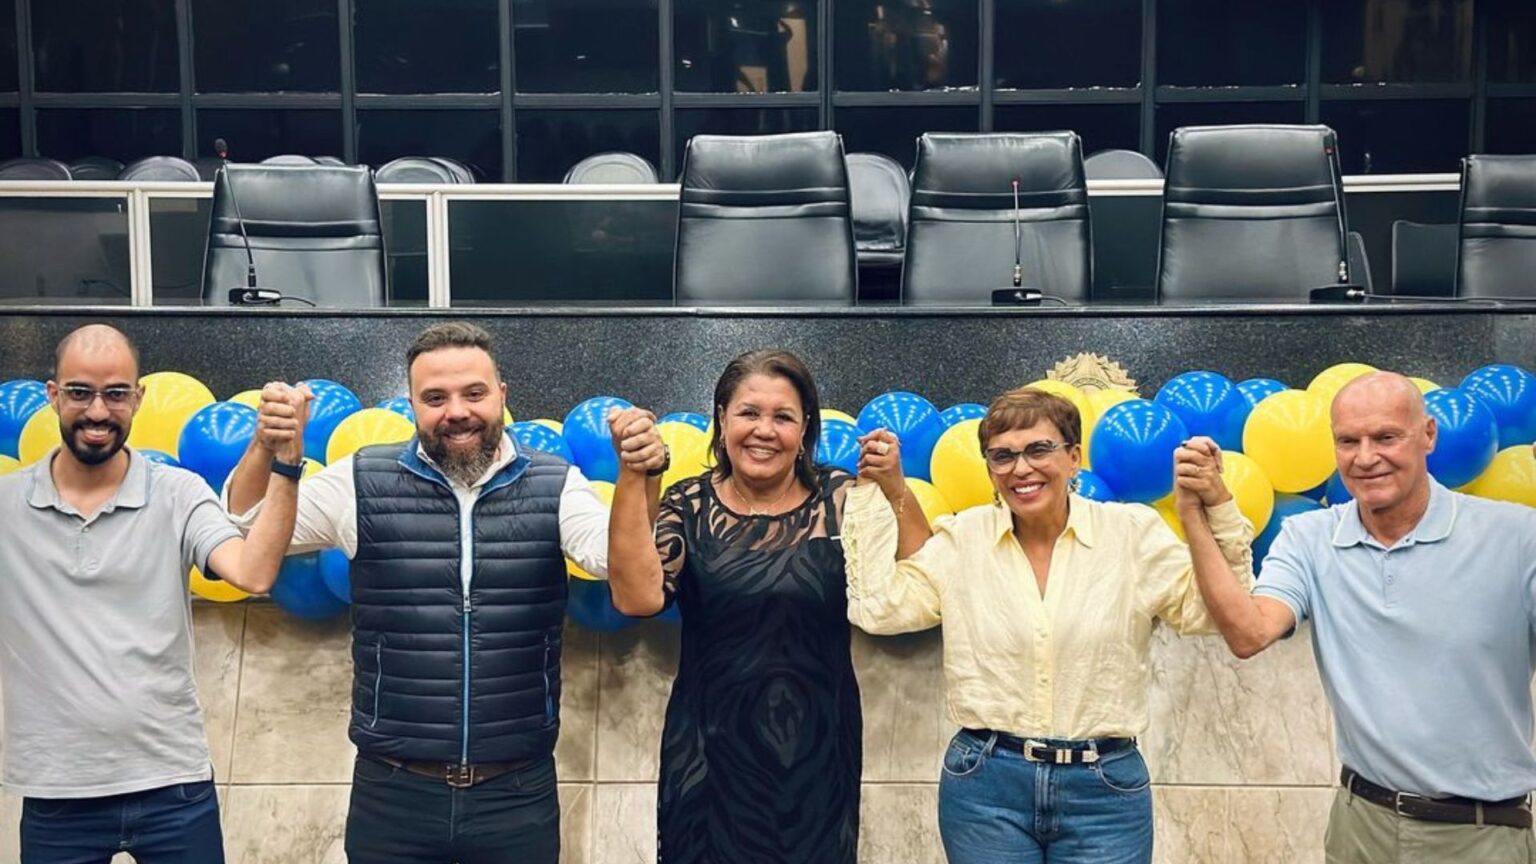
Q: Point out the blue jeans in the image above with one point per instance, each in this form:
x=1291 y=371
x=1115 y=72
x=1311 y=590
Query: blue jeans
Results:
x=171 y=825
x=996 y=807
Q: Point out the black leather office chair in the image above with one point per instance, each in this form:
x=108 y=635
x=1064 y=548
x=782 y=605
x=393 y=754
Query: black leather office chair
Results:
x=765 y=220
x=1360 y=263
x=1121 y=165
x=1496 y=256
x=1424 y=259
x=162 y=169
x=459 y=170
x=879 y=193
x=1252 y=213
x=314 y=232
x=334 y=161
x=289 y=159
x=961 y=242
x=34 y=168
x=612 y=167
x=95 y=168
x=416 y=169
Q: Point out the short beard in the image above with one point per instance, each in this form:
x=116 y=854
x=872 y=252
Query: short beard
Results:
x=93 y=454
x=463 y=466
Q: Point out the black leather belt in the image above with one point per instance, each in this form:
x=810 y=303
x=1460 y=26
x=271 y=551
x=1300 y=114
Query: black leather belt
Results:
x=1513 y=813
x=454 y=774
x=1078 y=753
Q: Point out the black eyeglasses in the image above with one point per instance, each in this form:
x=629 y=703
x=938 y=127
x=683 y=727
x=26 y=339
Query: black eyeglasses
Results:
x=81 y=396
x=1000 y=460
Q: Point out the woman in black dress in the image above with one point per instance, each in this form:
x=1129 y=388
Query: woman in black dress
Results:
x=760 y=756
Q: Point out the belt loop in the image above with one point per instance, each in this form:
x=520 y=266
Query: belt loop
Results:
x=986 y=749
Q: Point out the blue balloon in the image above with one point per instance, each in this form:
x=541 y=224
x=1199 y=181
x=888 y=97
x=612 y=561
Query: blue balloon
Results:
x=20 y=398
x=1255 y=389
x=1093 y=487
x=591 y=606
x=400 y=405
x=1318 y=492
x=672 y=614
x=1468 y=436
x=300 y=589
x=962 y=411
x=536 y=436
x=158 y=456
x=692 y=418
x=1335 y=490
x=590 y=442
x=336 y=573
x=1510 y=393
x=1286 y=506
x=1132 y=449
x=914 y=420
x=332 y=404
x=839 y=445
x=214 y=439
x=1209 y=404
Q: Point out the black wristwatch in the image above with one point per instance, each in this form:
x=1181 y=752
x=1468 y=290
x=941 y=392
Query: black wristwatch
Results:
x=666 y=462
x=287 y=470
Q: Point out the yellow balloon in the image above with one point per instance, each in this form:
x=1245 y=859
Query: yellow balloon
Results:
x=604 y=491
x=365 y=427
x=1067 y=392
x=834 y=414
x=690 y=451
x=1330 y=381
x=506 y=416
x=216 y=590
x=312 y=467
x=247 y=397
x=7 y=465
x=1424 y=384
x=1511 y=476
x=929 y=498
x=39 y=436
x=1289 y=436
x=554 y=425
x=958 y=470
x=1249 y=487
x=170 y=399
x=1100 y=401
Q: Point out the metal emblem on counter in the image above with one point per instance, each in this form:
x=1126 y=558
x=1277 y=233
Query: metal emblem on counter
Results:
x=1090 y=373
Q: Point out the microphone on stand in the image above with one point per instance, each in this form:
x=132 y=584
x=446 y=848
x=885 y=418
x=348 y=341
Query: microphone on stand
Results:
x=250 y=294
x=1018 y=295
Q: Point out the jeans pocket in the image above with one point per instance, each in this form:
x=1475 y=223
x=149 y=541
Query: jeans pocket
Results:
x=46 y=808
x=193 y=793
x=369 y=770
x=1124 y=772
x=963 y=758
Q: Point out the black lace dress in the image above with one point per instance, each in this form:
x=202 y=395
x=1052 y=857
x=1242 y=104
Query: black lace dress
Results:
x=761 y=753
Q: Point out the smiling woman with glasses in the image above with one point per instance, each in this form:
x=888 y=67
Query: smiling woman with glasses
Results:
x=1047 y=600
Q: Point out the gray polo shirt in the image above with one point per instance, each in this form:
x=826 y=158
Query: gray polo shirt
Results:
x=96 y=632
x=1425 y=649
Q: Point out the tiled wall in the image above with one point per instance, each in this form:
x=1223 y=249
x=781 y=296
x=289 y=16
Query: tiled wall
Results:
x=1241 y=752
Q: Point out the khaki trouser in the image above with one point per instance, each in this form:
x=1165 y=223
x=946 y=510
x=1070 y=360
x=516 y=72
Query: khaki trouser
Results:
x=1360 y=832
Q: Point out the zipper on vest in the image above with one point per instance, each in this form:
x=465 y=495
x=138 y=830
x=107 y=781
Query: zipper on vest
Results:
x=466 y=576
x=549 y=696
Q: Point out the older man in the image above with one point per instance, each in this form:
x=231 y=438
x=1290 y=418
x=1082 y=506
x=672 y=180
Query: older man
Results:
x=1423 y=610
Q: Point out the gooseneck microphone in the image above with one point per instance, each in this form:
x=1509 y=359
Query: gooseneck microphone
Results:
x=1018 y=239
x=1019 y=295
x=250 y=295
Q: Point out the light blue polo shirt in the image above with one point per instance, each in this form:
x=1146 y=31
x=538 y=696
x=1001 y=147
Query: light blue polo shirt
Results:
x=1425 y=649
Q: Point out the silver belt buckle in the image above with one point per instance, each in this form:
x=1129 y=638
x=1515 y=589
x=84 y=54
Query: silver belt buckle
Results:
x=460 y=776
x=1059 y=755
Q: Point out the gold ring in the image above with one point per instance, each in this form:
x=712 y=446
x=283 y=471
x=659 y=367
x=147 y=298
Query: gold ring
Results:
x=885 y=447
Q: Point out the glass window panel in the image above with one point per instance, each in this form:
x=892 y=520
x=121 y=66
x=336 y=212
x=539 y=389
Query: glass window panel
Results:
x=746 y=46
x=1374 y=41
x=445 y=46
x=8 y=46
x=586 y=46
x=1399 y=136
x=550 y=142
x=1511 y=40
x=905 y=45
x=471 y=136
x=266 y=47
x=405 y=242
x=1068 y=43
x=1102 y=127
x=124 y=134
x=1510 y=126
x=1172 y=115
x=10 y=133
x=64 y=250
x=253 y=135
x=894 y=131
x=1231 y=42
x=105 y=46
x=178 y=232
x=689 y=122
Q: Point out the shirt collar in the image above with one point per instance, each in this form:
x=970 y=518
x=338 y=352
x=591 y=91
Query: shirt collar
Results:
x=1079 y=521
x=1435 y=525
x=506 y=454
x=132 y=494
